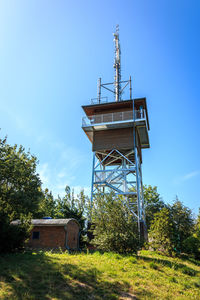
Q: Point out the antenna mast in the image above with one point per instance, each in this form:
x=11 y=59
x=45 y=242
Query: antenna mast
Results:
x=117 y=65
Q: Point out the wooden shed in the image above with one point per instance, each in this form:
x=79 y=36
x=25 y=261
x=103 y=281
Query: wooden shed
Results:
x=54 y=233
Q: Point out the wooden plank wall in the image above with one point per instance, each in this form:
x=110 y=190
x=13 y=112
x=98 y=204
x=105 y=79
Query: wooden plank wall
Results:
x=113 y=138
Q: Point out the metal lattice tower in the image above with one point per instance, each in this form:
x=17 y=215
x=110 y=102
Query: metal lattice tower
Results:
x=118 y=131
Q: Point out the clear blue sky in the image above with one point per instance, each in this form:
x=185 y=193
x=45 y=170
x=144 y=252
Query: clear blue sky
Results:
x=51 y=55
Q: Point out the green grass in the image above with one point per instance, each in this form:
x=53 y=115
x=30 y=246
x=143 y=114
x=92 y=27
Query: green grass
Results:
x=47 y=275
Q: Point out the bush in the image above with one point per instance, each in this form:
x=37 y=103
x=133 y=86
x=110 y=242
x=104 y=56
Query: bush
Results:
x=12 y=237
x=20 y=194
x=160 y=234
x=114 y=227
x=192 y=246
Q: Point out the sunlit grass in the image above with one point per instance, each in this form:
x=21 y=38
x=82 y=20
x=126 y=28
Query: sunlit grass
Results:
x=47 y=275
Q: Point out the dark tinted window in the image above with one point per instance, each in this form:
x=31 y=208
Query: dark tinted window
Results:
x=36 y=235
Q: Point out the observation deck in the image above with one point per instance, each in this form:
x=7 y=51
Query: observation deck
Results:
x=123 y=117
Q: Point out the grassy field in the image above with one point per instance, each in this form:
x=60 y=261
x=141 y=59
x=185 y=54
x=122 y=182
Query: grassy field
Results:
x=46 y=275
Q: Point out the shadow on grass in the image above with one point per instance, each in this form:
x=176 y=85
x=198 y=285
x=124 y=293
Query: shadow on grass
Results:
x=37 y=276
x=173 y=265
x=194 y=261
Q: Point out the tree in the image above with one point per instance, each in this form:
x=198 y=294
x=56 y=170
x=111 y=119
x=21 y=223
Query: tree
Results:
x=191 y=244
x=47 y=205
x=20 y=185
x=161 y=232
x=197 y=225
x=183 y=223
x=71 y=206
x=13 y=237
x=20 y=194
x=114 y=226
x=173 y=228
x=153 y=203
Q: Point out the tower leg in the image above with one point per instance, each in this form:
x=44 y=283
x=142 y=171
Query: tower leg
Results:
x=92 y=185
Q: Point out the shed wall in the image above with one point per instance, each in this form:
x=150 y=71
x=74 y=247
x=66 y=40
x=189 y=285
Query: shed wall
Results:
x=49 y=237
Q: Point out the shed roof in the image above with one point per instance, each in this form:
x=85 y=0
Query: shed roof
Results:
x=47 y=222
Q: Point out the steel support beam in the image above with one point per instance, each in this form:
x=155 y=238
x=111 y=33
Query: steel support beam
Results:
x=124 y=179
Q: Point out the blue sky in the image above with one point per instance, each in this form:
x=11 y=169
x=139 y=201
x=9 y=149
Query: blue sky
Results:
x=53 y=52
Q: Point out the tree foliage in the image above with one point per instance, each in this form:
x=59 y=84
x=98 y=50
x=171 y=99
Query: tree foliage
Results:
x=197 y=226
x=13 y=237
x=73 y=206
x=191 y=244
x=114 y=227
x=153 y=203
x=161 y=232
x=20 y=185
x=172 y=229
x=183 y=223
x=47 y=205
x=20 y=193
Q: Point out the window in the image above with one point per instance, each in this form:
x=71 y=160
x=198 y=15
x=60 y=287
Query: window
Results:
x=36 y=235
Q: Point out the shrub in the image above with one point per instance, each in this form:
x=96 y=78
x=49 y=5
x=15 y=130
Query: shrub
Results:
x=12 y=237
x=114 y=228
x=192 y=246
x=160 y=234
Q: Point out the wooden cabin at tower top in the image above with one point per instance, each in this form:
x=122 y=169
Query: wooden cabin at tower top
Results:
x=113 y=107
x=110 y=125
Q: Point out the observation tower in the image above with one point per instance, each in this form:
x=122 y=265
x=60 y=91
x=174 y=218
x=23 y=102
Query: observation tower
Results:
x=118 y=130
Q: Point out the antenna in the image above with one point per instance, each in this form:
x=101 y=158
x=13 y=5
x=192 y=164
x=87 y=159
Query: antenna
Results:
x=117 y=65
x=118 y=85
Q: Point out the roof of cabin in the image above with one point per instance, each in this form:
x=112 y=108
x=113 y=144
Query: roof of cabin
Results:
x=92 y=109
x=47 y=222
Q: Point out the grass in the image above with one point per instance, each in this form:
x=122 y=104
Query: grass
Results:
x=46 y=275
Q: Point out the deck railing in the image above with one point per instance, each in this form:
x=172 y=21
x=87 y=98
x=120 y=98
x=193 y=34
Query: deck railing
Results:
x=102 y=100
x=113 y=117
